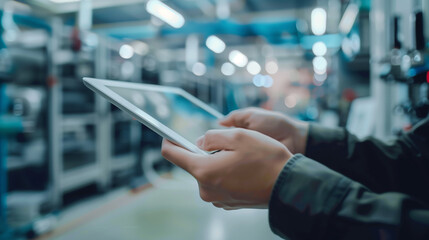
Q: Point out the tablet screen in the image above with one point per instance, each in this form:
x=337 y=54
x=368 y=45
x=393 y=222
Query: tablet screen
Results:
x=172 y=110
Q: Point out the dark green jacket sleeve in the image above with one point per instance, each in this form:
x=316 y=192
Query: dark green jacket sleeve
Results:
x=311 y=201
x=398 y=166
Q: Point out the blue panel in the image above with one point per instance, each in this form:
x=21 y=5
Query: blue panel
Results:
x=273 y=30
x=29 y=21
x=133 y=32
x=331 y=41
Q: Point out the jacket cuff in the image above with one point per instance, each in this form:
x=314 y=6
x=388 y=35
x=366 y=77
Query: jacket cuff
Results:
x=304 y=197
x=325 y=144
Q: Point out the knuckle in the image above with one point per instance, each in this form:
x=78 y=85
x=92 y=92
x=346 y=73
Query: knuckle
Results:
x=165 y=152
x=209 y=134
x=205 y=196
x=238 y=135
x=200 y=175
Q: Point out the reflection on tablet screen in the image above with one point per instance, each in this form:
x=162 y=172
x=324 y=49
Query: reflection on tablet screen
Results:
x=172 y=110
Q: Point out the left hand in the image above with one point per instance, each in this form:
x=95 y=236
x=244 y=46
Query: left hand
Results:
x=241 y=175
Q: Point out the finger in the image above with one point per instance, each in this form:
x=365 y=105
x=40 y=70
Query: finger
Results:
x=224 y=139
x=231 y=208
x=238 y=118
x=218 y=205
x=225 y=206
x=179 y=156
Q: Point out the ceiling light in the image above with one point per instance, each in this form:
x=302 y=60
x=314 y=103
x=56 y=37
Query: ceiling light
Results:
x=320 y=77
x=254 y=68
x=215 y=44
x=320 y=49
x=320 y=65
x=238 y=58
x=349 y=18
x=140 y=48
x=268 y=81
x=318 y=21
x=227 y=69
x=165 y=13
x=272 y=67
x=126 y=51
x=199 y=69
x=259 y=80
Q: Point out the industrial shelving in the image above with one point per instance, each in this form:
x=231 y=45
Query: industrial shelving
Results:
x=98 y=159
x=73 y=127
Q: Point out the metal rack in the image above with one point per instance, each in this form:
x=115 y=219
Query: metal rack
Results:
x=62 y=178
x=101 y=120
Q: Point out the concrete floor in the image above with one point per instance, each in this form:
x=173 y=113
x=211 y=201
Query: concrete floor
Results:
x=171 y=210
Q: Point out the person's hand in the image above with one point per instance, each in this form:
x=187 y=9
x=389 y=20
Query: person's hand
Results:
x=292 y=133
x=241 y=175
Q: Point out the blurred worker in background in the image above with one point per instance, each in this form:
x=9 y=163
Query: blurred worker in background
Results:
x=343 y=188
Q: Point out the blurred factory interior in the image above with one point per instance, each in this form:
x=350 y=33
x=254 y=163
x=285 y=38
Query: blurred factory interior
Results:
x=74 y=166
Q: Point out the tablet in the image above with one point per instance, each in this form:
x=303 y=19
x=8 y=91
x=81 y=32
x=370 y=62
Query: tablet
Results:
x=169 y=111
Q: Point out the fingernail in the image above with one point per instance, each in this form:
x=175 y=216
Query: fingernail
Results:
x=200 y=141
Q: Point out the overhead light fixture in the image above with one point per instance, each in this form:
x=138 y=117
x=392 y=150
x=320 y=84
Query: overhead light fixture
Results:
x=259 y=80
x=272 y=67
x=215 y=44
x=349 y=18
x=126 y=51
x=254 y=68
x=321 y=77
x=227 y=69
x=265 y=81
x=318 y=21
x=238 y=58
x=320 y=65
x=165 y=13
x=199 y=69
x=64 y=1
x=140 y=47
x=268 y=81
x=320 y=49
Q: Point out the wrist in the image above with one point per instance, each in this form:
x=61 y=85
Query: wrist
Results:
x=297 y=135
x=301 y=136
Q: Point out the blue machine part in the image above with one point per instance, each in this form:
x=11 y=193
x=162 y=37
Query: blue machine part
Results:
x=273 y=30
x=413 y=72
x=29 y=21
x=281 y=32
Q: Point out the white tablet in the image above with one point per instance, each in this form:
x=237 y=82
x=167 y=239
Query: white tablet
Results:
x=171 y=112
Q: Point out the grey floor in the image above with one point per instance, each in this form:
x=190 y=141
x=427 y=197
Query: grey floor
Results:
x=171 y=210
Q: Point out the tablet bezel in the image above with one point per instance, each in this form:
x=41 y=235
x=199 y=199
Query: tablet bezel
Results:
x=101 y=86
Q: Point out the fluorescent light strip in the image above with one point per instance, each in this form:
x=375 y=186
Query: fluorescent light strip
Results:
x=349 y=18
x=238 y=58
x=320 y=49
x=228 y=69
x=215 y=44
x=318 y=21
x=165 y=13
x=254 y=68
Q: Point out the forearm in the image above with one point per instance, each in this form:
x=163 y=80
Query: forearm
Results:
x=382 y=167
x=311 y=201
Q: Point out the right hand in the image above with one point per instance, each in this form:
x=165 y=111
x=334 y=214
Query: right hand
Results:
x=241 y=175
x=292 y=133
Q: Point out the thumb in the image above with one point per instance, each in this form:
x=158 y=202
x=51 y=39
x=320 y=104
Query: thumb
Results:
x=179 y=156
x=236 y=118
x=223 y=139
